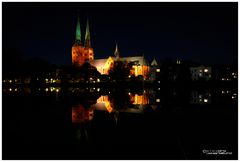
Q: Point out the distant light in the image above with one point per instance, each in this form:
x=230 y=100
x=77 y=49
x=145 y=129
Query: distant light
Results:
x=10 y=89
x=46 y=80
x=223 y=91
x=233 y=73
x=109 y=92
x=15 y=89
x=158 y=100
x=234 y=94
x=205 y=70
x=129 y=93
x=223 y=78
x=10 y=81
x=228 y=91
x=51 y=78
x=159 y=88
x=158 y=70
x=39 y=89
x=4 y=81
x=98 y=80
x=57 y=90
x=200 y=71
x=46 y=89
x=233 y=97
x=129 y=76
x=37 y=79
x=205 y=100
x=98 y=89
x=159 y=82
x=234 y=76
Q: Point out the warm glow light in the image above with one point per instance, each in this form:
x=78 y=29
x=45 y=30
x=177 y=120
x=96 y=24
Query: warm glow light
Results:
x=205 y=70
x=98 y=80
x=129 y=93
x=158 y=100
x=10 y=81
x=205 y=100
x=129 y=76
x=158 y=70
x=223 y=91
x=10 y=89
x=98 y=89
x=15 y=89
x=57 y=90
x=46 y=89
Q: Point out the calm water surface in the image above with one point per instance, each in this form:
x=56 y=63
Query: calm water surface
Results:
x=98 y=123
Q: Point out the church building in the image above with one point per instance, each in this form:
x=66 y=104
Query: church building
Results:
x=84 y=52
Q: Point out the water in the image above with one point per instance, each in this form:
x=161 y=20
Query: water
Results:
x=101 y=123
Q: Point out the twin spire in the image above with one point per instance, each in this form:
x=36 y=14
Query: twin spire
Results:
x=87 y=34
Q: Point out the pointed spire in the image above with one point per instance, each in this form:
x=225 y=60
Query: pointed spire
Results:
x=78 y=32
x=116 y=53
x=87 y=36
x=154 y=62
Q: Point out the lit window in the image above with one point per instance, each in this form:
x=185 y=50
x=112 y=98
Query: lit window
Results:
x=158 y=70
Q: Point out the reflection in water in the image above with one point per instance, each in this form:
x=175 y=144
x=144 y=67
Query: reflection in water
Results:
x=80 y=114
x=137 y=99
x=200 y=97
x=104 y=101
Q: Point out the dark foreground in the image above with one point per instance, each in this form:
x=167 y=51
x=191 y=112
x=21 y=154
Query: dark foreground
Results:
x=73 y=123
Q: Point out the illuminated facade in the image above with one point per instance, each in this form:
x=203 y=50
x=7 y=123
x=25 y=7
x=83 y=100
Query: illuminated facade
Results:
x=80 y=52
x=140 y=65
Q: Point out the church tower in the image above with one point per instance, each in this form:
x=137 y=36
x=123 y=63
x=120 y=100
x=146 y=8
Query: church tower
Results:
x=88 y=50
x=77 y=48
x=116 y=53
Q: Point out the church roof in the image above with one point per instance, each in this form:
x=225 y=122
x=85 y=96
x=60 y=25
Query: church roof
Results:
x=98 y=62
x=137 y=59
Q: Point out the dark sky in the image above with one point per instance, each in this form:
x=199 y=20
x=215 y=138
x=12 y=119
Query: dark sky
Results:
x=203 y=32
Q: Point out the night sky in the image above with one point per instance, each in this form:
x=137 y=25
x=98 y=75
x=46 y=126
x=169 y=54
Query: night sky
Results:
x=202 y=32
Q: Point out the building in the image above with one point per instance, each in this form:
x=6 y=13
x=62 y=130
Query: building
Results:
x=82 y=53
x=201 y=73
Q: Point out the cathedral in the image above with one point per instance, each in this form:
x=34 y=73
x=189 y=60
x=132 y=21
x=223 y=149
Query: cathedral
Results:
x=82 y=52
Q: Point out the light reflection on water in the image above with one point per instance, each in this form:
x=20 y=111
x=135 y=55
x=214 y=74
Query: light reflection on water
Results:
x=98 y=116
